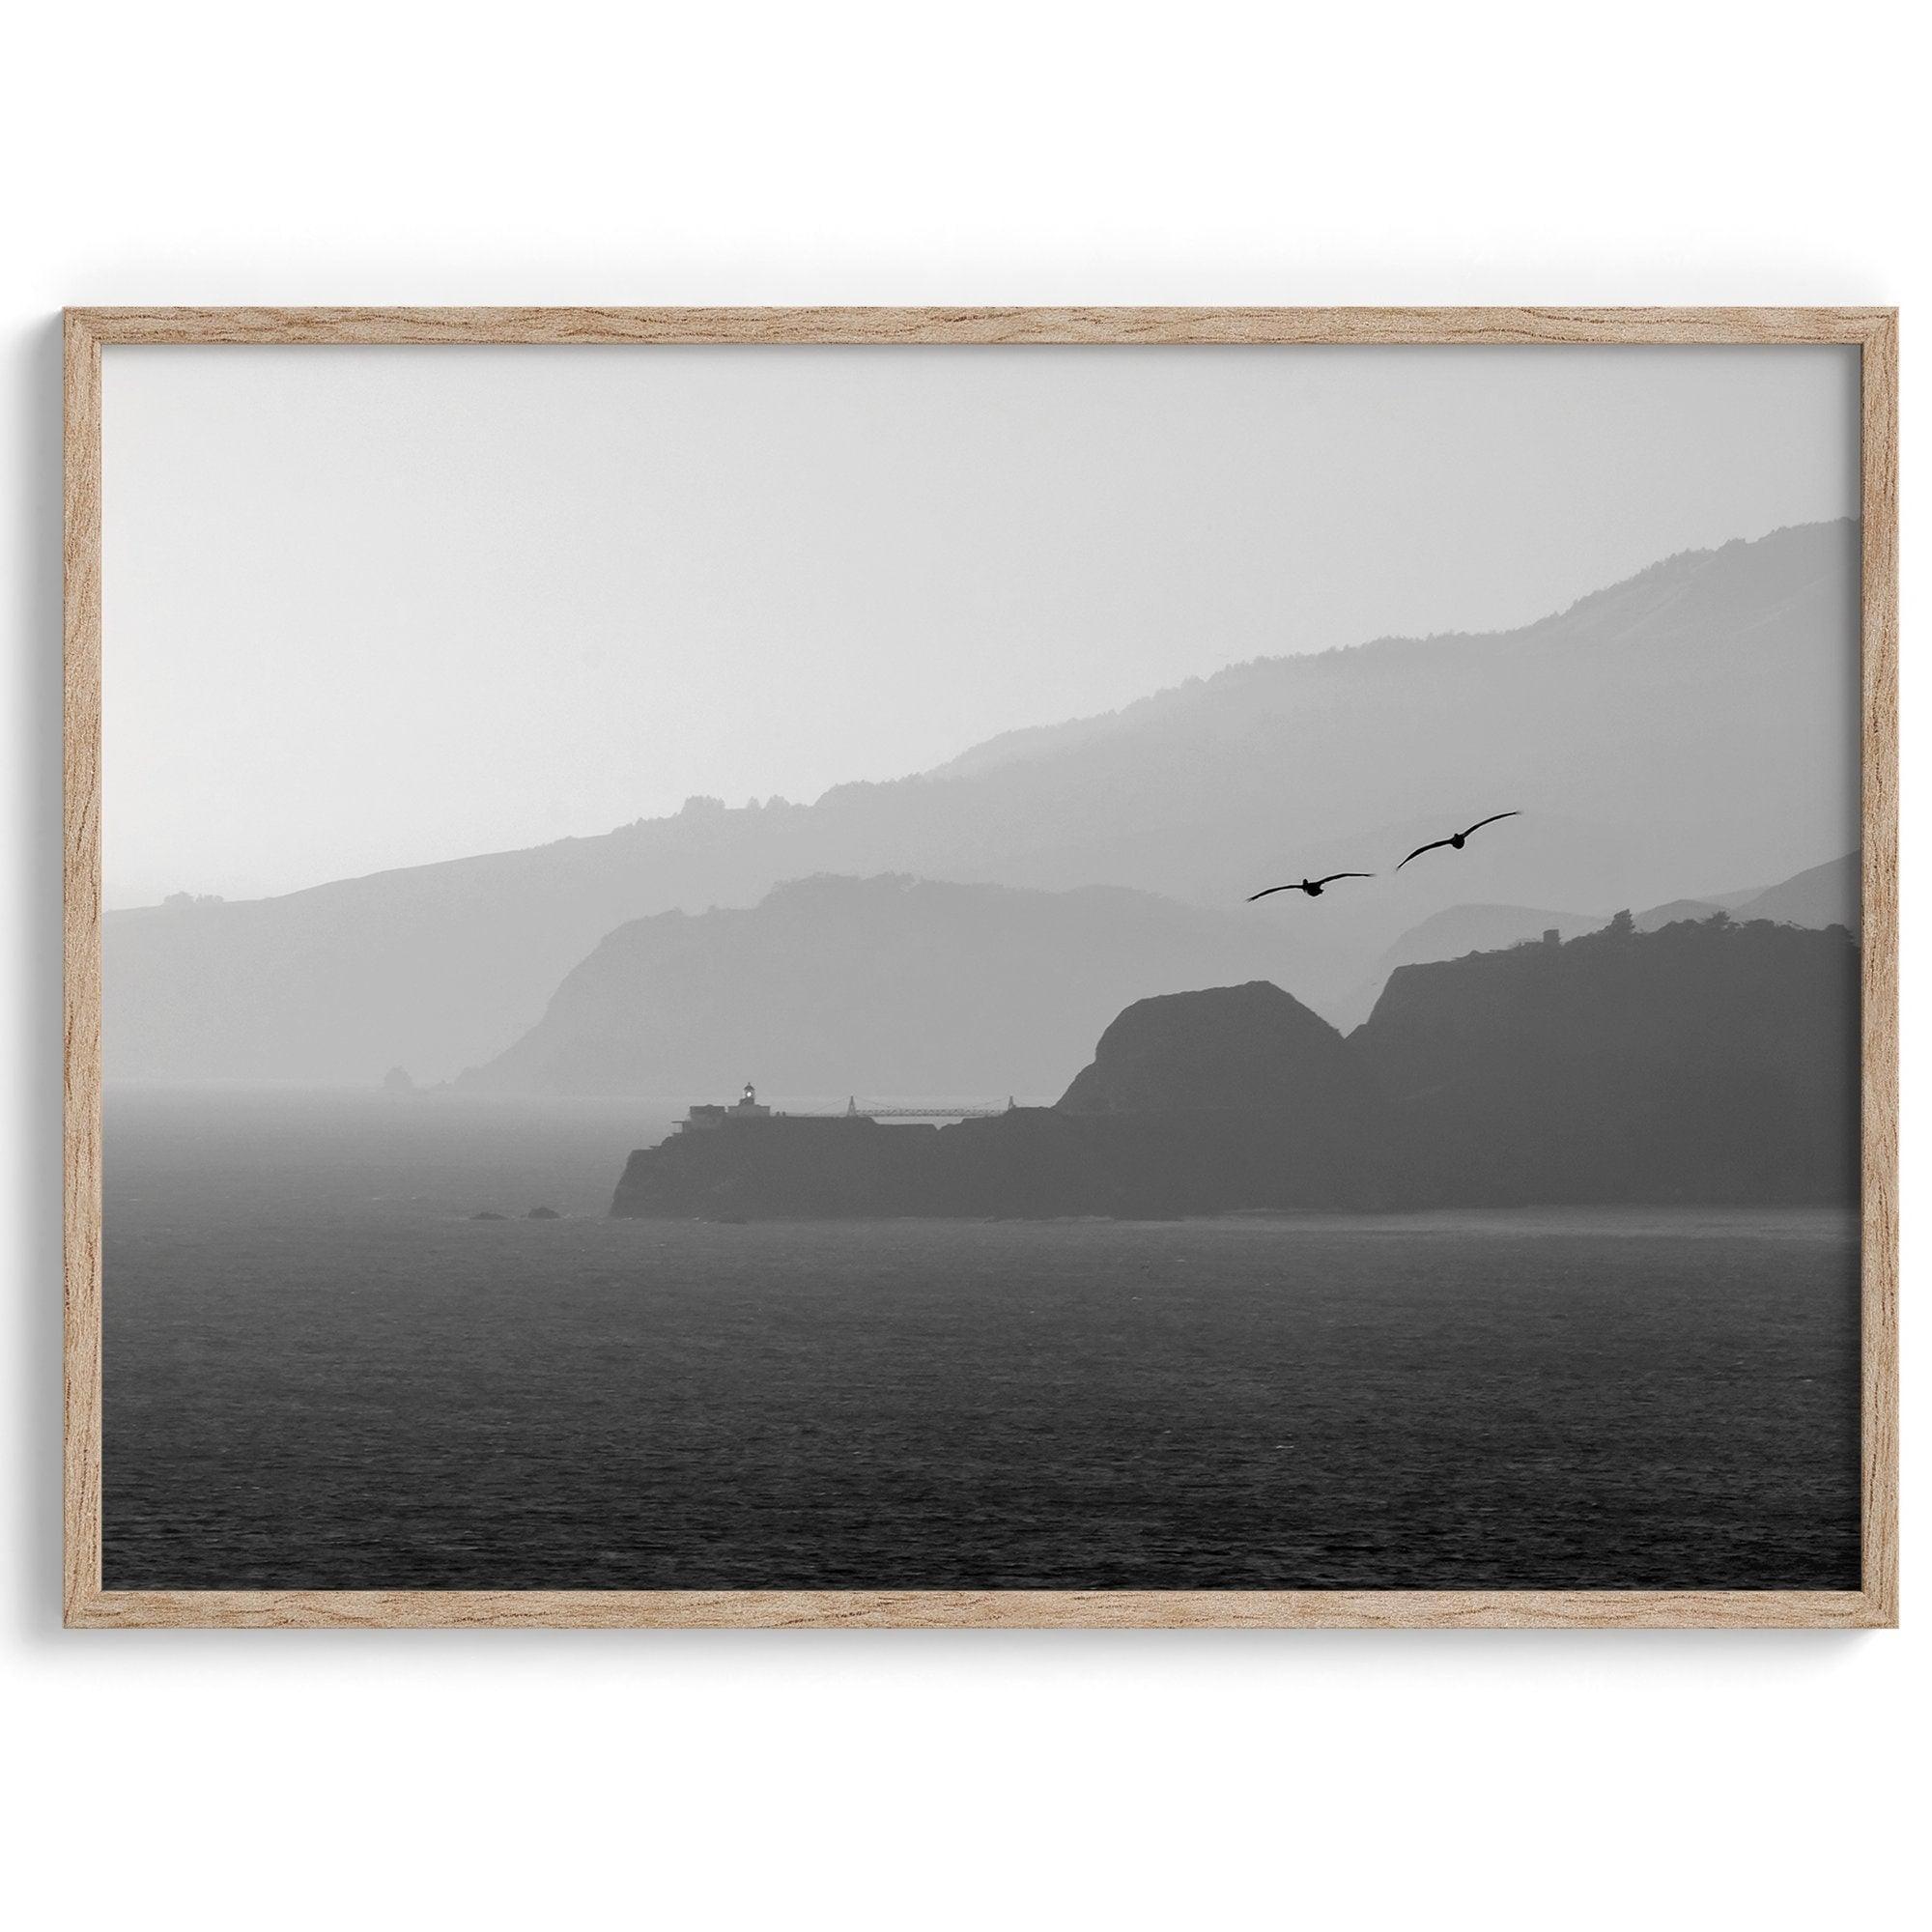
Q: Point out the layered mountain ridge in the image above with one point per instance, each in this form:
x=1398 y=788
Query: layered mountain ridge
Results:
x=880 y=987
x=1734 y=669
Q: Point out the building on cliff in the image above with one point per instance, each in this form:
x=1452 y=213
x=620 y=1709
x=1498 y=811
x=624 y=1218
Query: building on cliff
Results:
x=706 y=1120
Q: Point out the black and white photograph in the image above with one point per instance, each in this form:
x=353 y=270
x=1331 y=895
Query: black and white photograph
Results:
x=762 y=967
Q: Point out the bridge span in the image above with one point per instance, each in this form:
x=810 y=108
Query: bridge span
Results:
x=707 y=1118
x=939 y=1111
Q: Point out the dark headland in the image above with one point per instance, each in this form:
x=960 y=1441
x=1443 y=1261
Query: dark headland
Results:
x=1712 y=1062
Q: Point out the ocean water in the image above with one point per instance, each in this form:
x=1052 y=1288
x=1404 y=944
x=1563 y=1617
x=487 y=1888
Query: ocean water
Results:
x=320 y=1373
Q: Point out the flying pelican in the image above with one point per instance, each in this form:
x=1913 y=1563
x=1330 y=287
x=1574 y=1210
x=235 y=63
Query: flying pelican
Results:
x=1312 y=887
x=1458 y=839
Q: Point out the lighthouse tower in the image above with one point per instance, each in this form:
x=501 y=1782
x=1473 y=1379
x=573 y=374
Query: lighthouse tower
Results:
x=703 y=1118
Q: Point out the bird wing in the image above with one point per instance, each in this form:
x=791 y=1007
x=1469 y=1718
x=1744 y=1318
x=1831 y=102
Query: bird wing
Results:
x=1253 y=896
x=1333 y=876
x=1421 y=850
x=1481 y=822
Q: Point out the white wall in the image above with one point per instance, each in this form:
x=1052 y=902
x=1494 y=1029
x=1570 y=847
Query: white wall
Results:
x=1005 y=153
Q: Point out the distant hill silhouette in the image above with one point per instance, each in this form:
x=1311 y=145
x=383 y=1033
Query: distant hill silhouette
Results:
x=1652 y=919
x=887 y=985
x=1827 y=895
x=1697 y=722
x=1822 y=895
x=1705 y=1063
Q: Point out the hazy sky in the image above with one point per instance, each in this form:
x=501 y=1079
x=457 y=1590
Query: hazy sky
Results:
x=372 y=606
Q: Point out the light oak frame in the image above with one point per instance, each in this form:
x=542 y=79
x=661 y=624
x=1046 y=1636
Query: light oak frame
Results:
x=1873 y=332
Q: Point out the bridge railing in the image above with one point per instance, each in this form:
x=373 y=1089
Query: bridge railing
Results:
x=927 y=1113
x=937 y=1111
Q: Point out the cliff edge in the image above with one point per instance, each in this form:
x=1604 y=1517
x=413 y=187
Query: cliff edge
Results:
x=1711 y=1062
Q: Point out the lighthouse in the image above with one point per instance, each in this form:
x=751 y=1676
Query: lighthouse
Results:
x=746 y=1108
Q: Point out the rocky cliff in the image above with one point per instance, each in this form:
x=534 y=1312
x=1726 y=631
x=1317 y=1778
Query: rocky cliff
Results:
x=1250 y=1047
x=1708 y=1063
x=1707 y=1060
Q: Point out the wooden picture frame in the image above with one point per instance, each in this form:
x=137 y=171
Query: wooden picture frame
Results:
x=1872 y=332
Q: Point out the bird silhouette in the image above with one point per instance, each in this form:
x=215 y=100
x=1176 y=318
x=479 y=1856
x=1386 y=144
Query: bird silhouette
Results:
x=1458 y=840
x=1312 y=887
